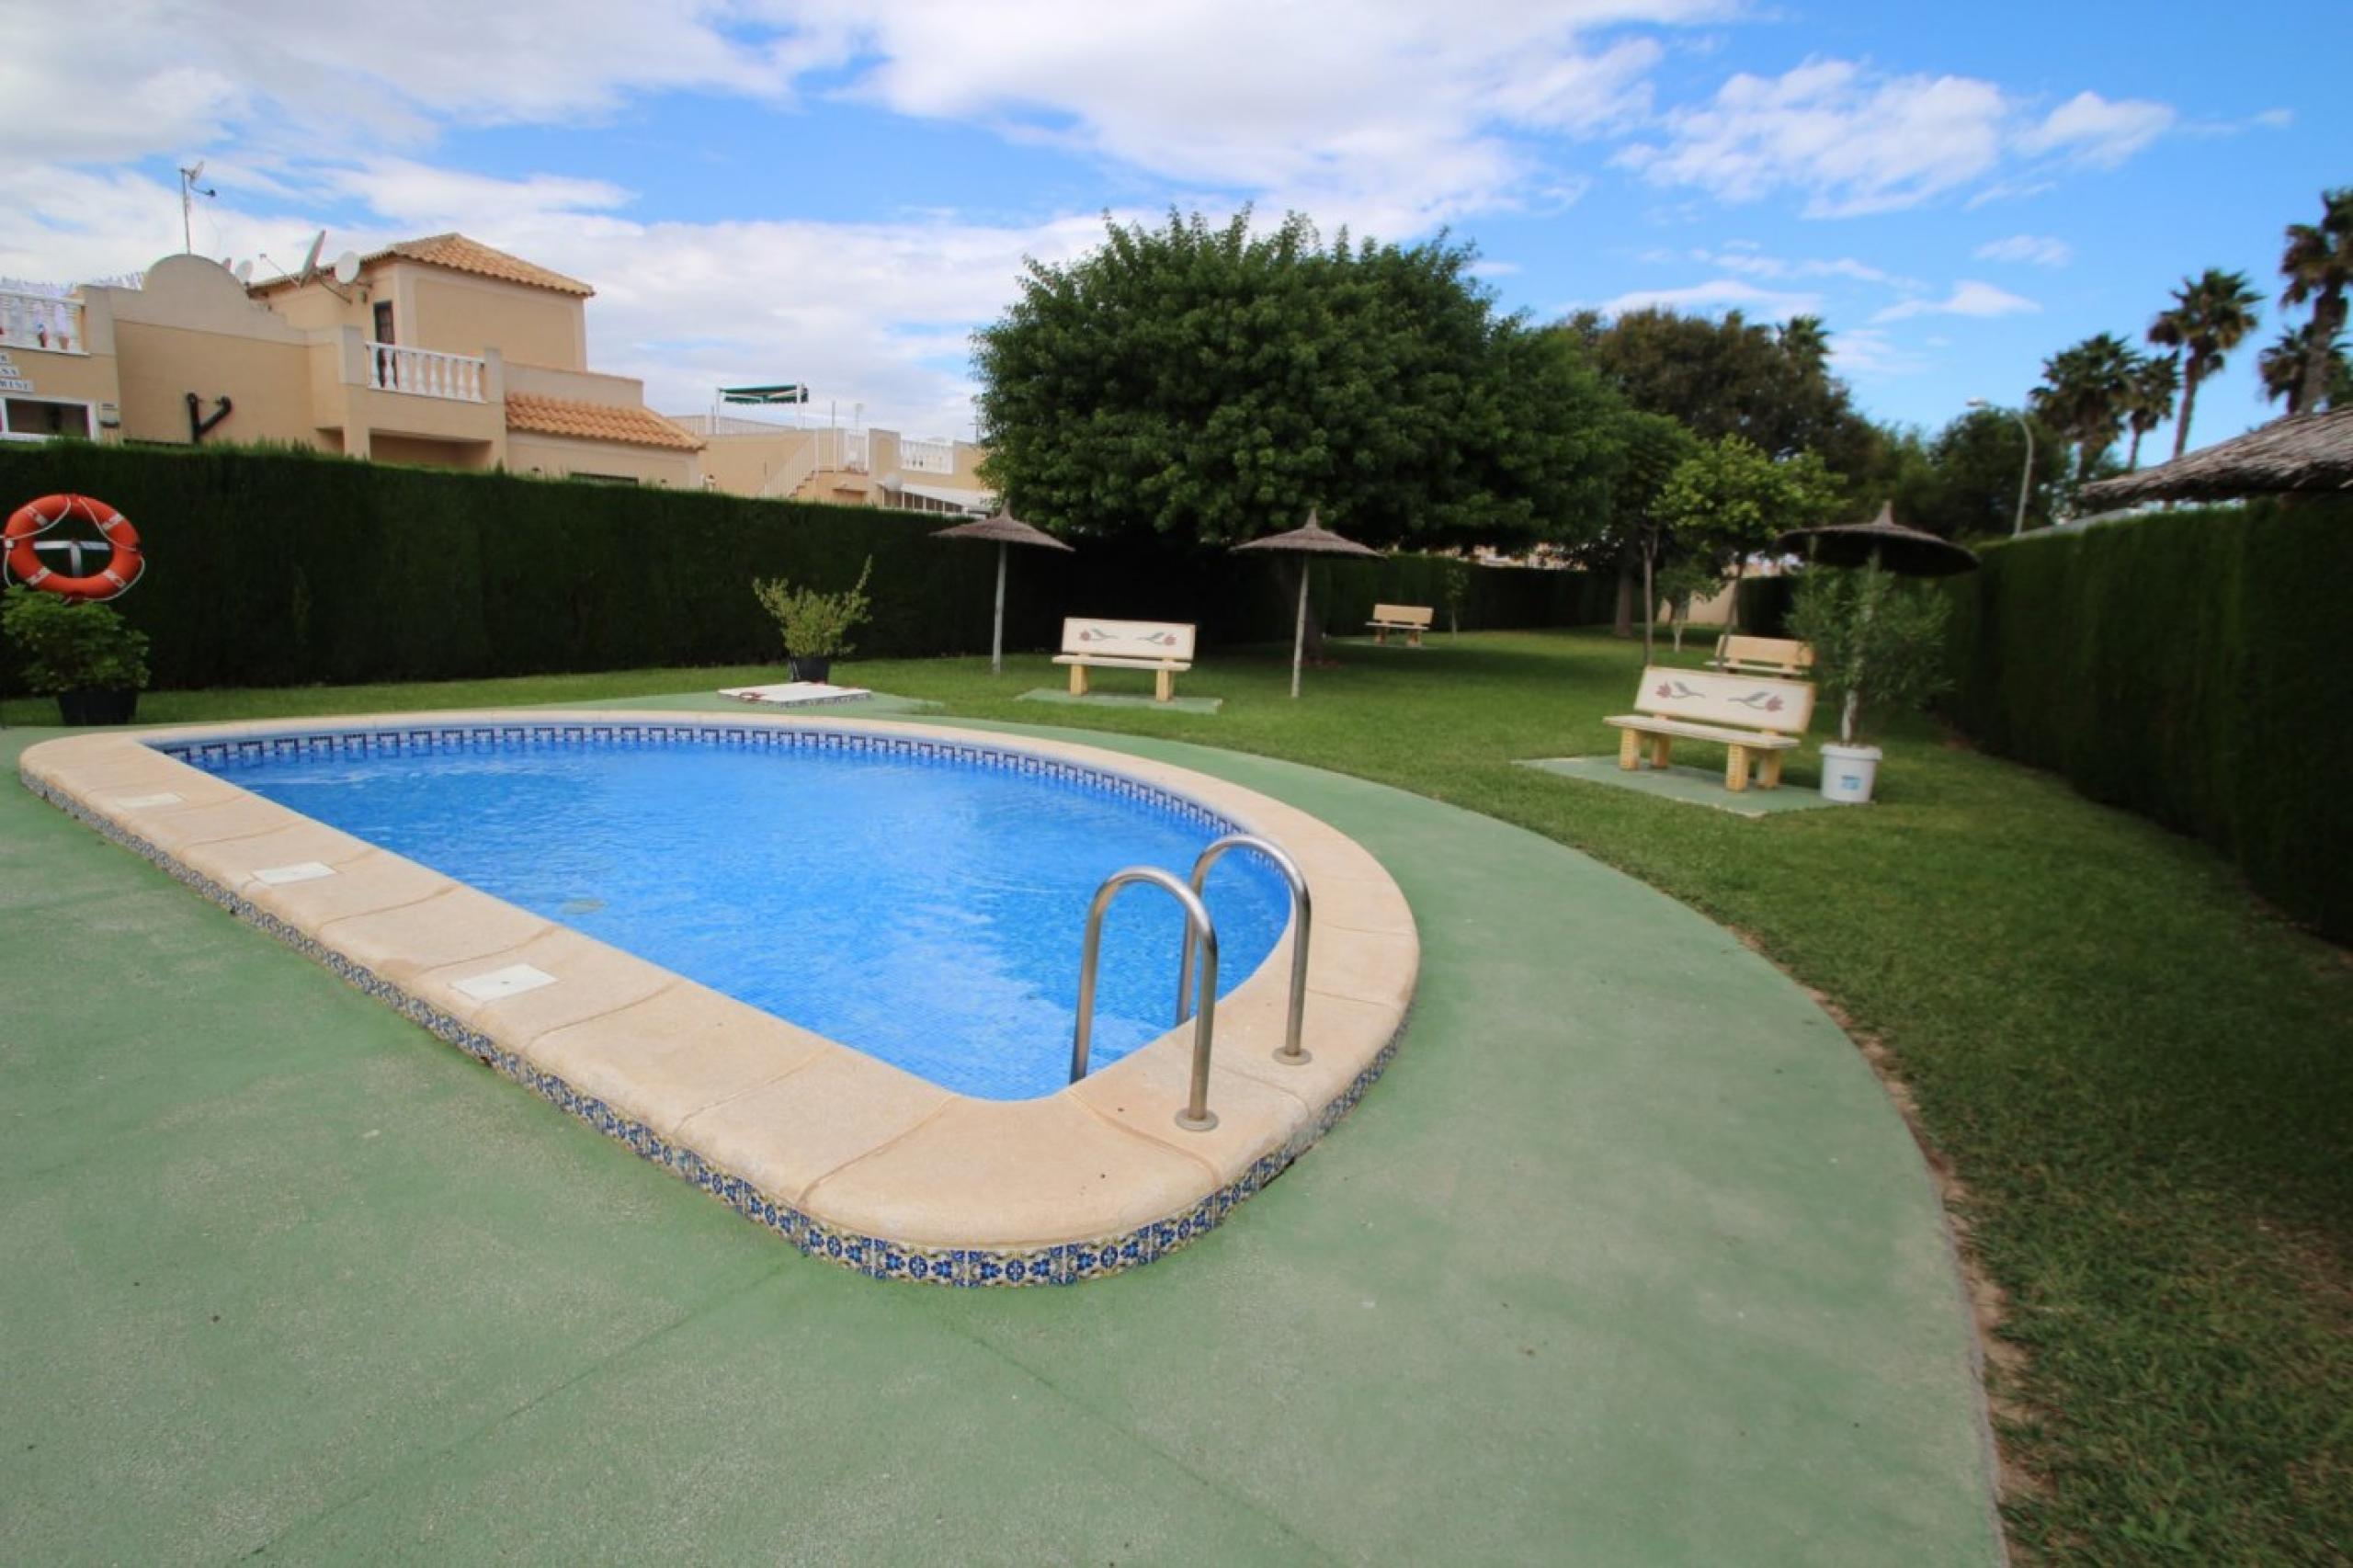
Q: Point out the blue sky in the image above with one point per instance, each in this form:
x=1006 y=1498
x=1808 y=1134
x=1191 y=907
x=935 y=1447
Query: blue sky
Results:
x=814 y=190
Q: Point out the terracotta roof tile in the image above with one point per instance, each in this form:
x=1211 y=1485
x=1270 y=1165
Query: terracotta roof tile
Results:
x=595 y=422
x=460 y=253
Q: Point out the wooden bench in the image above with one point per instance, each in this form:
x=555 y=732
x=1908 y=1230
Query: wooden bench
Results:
x=1762 y=656
x=1163 y=647
x=1750 y=716
x=1411 y=619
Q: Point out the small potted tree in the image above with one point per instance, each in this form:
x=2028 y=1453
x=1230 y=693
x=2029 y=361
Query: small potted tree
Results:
x=83 y=655
x=815 y=624
x=1877 y=649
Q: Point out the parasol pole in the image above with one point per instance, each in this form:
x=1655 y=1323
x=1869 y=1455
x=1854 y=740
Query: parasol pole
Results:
x=996 y=631
x=1298 y=633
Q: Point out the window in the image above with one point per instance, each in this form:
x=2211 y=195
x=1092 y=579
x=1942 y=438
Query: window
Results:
x=384 y=322
x=586 y=477
x=44 y=419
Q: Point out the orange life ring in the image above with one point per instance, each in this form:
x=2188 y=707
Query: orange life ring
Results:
x=34 y=518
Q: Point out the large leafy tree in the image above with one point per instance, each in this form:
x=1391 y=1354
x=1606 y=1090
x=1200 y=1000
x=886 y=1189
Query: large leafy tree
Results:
x=1655 y=446
x=2209 y=315
x=1731 y=498
x=2286 y=367
x=2086 y=389
x=1976 y=463
x=2318 y=264
x=1733 y=377
x=1207 y=383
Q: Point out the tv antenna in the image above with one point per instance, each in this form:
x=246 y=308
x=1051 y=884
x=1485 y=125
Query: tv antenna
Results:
x=189 y=191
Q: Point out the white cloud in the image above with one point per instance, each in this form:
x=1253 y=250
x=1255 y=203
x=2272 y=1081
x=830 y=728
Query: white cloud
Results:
x=1381 y=113
x=1966 y=298
x=2099 y=131
x=1852 y=141
x=1866 y=353
x=1717 y=294
x=2040 y=250
x=1747 y=260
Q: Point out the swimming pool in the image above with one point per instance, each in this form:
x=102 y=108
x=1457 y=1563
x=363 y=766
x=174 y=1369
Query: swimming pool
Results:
x=846 y=1156
x=925 y=907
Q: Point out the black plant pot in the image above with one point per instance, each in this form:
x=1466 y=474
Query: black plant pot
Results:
x=98 y=707
x=819 y=670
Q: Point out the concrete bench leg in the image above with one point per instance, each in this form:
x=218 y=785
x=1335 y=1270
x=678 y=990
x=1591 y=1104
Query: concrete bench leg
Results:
x=1163 y=686
x=1078 y=680
x=1413 y=638
x=1736 y=769
x=1768 y=771
x=1662 y=748
x=1630 y=749
x=1381 y=636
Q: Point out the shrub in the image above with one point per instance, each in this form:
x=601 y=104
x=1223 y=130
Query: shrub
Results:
x=816 y=625
x=71 y=645
x=1877 y=642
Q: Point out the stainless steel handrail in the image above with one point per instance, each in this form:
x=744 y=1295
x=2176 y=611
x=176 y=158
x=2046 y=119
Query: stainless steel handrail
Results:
x=1196 y=1117
x=1301 y=913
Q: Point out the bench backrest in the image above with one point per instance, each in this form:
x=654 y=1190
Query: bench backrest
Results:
x=1404 y=615
x=1782 y=655
x=1129 y=639
x=1749 y=702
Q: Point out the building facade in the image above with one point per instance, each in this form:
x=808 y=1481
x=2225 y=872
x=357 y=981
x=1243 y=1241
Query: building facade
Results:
x=441 y=351
x=853 y=468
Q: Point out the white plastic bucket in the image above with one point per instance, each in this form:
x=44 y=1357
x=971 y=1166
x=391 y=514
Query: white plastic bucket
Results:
x=1848 y=773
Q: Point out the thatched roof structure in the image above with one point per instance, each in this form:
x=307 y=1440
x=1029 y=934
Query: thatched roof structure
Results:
x=2309 y=453
x=1882 y=543
x=1313 y=539
x=1004 y=528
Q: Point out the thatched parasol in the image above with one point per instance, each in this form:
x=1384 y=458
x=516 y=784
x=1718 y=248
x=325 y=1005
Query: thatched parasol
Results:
x=1881 y=545
x=1314 y=538
x=2302 y=454
x=1004 y=529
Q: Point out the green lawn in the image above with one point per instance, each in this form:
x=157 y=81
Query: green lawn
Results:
x=2137 y=1078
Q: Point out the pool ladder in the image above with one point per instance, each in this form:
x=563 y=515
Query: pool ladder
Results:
x=1200 y=933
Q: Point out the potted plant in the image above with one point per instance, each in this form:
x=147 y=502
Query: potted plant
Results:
x=83 y=654
x=816 y=625
x=1877 y=647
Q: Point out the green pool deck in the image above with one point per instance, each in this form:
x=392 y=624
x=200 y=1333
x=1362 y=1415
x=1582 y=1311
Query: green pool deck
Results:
x=1627 y=1260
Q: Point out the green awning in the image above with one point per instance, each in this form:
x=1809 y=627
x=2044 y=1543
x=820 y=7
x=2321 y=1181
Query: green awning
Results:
x=791 y=392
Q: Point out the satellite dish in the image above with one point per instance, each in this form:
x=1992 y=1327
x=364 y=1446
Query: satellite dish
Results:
x=311 y=261
x=244 y=271
x=346 y=267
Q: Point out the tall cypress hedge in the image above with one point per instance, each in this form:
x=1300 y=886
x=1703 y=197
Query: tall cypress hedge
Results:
x=2191 y=666
x=270 y=567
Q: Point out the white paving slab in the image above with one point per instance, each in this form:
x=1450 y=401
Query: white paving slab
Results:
x=512 y=980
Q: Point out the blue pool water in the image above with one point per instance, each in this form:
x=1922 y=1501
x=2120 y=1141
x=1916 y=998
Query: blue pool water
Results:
x=927 y=910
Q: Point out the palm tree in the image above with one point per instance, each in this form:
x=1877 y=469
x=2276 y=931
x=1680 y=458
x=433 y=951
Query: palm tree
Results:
x=2149 y=398
x=2286 y=367
x=2209 y=314
x=1806 y=342
x=2085 y=392
x=2318 y=264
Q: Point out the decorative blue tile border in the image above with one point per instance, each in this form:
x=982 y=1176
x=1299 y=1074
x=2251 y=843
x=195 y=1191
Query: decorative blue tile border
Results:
x=225 y=755
x=879 y=1257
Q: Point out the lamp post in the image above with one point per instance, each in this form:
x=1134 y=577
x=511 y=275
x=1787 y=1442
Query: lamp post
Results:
x=2025 y=479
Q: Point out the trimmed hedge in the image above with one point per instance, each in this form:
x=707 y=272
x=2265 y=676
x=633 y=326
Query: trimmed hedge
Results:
x=272 y=568
x=2189 y=665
